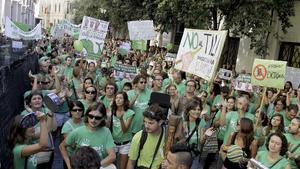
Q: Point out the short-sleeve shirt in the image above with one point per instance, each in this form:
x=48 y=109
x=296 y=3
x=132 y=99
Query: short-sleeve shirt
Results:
x=118 y=135
x=293 y=143
x=231 y=123
x=100 y=140
x=147 y=152
x=70 y=126
x=19 y=161
x=139 y=107
x=262 y=157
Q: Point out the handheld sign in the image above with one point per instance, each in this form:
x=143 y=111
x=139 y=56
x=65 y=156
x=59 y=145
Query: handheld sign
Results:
x=122 y=71
x=225 y=74
x=141 y=30
x=200 y=51
x=268 y=73
x=243 y=83
x=92 y=34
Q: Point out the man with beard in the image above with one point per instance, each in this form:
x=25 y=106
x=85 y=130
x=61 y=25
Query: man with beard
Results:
x=146 y=149
x=293 y=137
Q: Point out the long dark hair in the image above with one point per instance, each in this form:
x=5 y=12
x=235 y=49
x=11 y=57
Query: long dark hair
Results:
x=280 y=127
x=17 y=134
x=246 y=131
x=284 y=145
x=114 y=107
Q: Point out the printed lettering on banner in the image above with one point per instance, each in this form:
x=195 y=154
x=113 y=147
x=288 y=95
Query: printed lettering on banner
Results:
x=92 y=34
x=268 y=73
x=200 y=51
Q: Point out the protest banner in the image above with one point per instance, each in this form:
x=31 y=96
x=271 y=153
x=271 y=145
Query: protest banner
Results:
x=63 y=27
x=14 y=32
x=139 y=44
x=122 y=71
x=92 y=34
x=200 y=51
x=225 y=74
x=141 y=30
x=243 y=83
x=170 y=56
x=124 y=48
x=268 y=73
x=292 y=75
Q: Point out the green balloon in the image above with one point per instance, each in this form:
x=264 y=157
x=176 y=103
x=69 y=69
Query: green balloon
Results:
x=169 y=46
x=78 y=45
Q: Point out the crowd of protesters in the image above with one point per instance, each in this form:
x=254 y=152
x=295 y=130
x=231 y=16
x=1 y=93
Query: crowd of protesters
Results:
x=106 y=121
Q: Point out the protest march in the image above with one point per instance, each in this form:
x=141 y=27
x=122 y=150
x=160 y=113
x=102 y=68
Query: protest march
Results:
x=97 y=101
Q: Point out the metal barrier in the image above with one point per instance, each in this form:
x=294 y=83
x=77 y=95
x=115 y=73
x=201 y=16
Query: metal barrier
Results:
x=14 y=82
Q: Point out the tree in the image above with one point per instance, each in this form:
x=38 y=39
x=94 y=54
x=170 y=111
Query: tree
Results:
x=249 y=18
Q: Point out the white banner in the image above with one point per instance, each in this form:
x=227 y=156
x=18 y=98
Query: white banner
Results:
x=92 y=34
x=65 y=27
x=200 y=51
x=141 y=30
x=292 y=75
x=14 y=32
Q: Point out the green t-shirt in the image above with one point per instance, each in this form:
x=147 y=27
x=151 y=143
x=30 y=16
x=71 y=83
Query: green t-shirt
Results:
x=293 y=143
x=139 y=107
x=231 y=122
x=100 y=140
x=194 y=139
x=70 y=126
x=68 y=72
x=217 y=101
x=181 y=87
x=118 y=135
x=222 y=129
x=19 y=161
x=147 y=152
x=107 y=102
x=262 y=157
x=287 y=121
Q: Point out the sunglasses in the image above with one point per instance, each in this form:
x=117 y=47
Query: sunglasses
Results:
x=143 y=82
x=77 y=110
x=90 y=92
x=94 y=117
x=45 y=82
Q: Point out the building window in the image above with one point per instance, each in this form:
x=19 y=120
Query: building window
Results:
x=55 y=8
x=59 y=7
x=290 y=52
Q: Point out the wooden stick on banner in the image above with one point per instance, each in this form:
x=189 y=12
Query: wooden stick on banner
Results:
x=262 y=99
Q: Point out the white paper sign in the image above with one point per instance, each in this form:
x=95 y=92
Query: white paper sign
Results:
x=200 y=51
x=243 y=83
x=14 y=32
x=225 y=74
x=141 y=30
x=17 y=44
x=293 y=75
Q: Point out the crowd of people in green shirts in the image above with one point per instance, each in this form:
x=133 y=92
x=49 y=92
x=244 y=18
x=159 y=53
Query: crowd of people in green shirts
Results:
x=105 y=112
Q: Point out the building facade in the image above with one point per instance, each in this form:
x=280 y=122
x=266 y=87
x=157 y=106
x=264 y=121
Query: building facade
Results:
x=18 y=10
x=52 y=12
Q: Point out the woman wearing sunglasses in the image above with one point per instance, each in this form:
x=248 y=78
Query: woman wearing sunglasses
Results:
x=76 y=113
x=21 y=140
x=90 y=97
x=93 y=134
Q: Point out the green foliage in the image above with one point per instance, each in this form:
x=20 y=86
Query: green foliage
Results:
x=250 y=18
